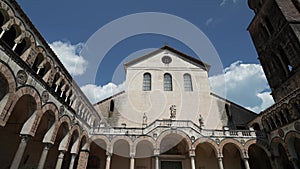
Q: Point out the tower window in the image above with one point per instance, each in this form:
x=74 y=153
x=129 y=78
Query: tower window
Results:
x=147 y=82
x=168 y=82
x=111 y=106
x=187 y=82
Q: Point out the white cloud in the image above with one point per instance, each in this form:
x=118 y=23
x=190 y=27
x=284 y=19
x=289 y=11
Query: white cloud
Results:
x=209 y=21
x=245 y=84
x=96 y=93
x=224 y=2
x=69 y=56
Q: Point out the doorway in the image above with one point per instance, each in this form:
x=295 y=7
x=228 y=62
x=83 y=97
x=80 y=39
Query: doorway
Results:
x=171 y=165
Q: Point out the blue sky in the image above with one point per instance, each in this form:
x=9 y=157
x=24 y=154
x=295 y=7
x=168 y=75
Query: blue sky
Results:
x=70 y=24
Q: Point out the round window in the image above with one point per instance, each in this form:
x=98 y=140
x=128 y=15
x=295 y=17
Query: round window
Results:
x=166 y=59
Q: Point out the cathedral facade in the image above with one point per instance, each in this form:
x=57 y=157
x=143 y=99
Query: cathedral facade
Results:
x=167 y=117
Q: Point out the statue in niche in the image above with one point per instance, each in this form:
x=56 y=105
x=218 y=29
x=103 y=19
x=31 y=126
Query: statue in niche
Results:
x=145 y=118
x=173 y=112
x=201 y=122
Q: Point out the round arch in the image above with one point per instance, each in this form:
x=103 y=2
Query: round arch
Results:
x=143 y=138
x=102 y=138
x=236 y=143
x=27 y=90
x=63 y=119
x=210 y=142
x=7 y=9
x=254 y=141
x=118 y=138
x=170 y=132
x=274 y=145
x=290 y=143
x=8 y=98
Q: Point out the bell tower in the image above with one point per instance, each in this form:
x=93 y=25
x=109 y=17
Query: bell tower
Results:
x=275 y=32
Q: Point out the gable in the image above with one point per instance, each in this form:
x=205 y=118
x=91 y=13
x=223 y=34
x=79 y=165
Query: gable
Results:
x=158 y=59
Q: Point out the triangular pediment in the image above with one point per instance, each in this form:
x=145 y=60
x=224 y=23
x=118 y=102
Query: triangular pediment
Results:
x=157 y=59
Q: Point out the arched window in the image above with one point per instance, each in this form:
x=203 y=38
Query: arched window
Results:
x=112 y=106
x=168 y=82
x=187 y=82
x=297 y=4
x=23 y=46
x=10 y=35
x=147 y=82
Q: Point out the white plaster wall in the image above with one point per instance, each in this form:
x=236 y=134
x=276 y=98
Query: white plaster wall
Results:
x=131 y=106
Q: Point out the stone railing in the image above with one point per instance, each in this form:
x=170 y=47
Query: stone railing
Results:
x=161 y=125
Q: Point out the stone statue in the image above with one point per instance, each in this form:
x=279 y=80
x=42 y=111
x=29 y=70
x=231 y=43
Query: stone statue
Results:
x=173 y=112
x=201 y=121
x=145 y=118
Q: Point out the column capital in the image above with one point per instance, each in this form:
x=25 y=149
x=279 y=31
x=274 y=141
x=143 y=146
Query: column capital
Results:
x=156 y=152
x=192 y=153
x=62 y=153
x=25 y=137
x=47 y=146
x=85 y=150
x=108 y=153
x=132 y=155
x=220 y=155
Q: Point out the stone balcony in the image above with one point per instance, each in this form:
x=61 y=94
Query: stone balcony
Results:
x=194 y=131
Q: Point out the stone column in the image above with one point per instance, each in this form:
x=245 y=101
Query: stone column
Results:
x=295 y=162
x=156 y=162
x=132 y=162
x=72 y=161
x=108 y=159
x=83 y=159
x=246 y=163
x=15 y=46
x=220 y=162
x=44 y=155
x=193 y=162
x=60 y=160
x=2 y=33
x=19 y=154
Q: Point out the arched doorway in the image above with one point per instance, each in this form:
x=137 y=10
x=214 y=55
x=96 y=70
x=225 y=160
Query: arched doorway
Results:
x=23 y=109
x=121 y=154
x=143 y=154
x=232 y=157
x=23 y=46
x=10 y=35
x=97 y=156
x=206 y=156
x=174 y=152
x=35 y=146
x=67 y=158
x=53 y=152
x=258 y=158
